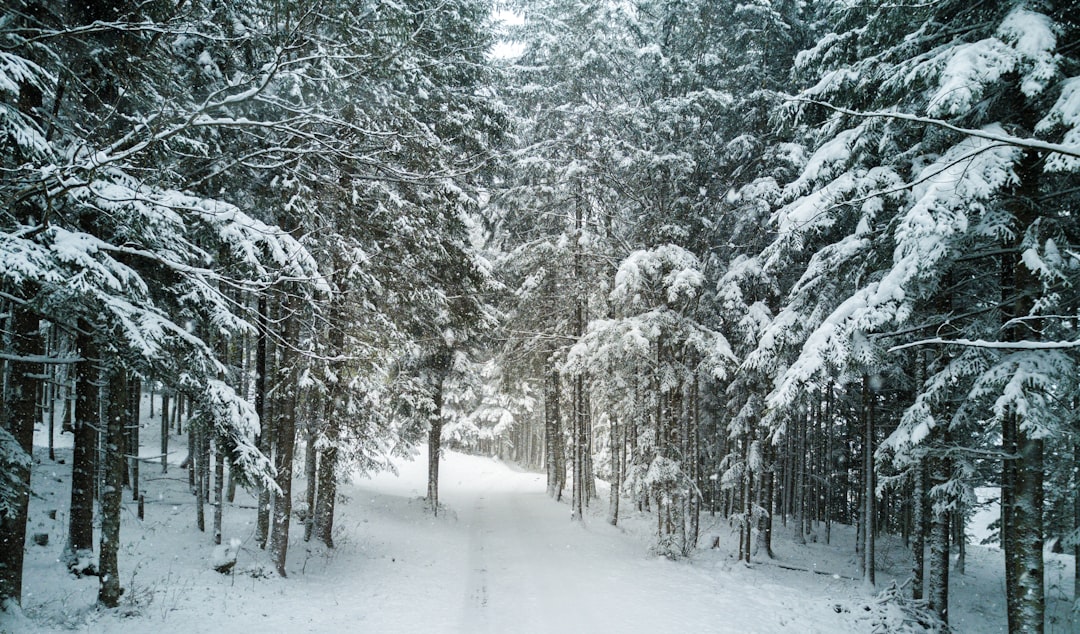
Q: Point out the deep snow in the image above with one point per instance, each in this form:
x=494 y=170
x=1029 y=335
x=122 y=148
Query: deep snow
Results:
x=500 y=557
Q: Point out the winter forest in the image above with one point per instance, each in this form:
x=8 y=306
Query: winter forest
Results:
x=755 y=304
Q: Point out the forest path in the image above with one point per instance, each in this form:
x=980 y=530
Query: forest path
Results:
x=514 y=561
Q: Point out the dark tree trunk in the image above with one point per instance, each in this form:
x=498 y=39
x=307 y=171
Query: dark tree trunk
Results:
x=198 y=433
x=918 y=531
x=265 y=440
x=310 y=478
x=164 y=433
x=219 y=488
x=132 y=445
x=579 y=491
x=117 y=418
x=327 y=491
x=285 y=432
x=869 y=493
x=434 y=448
x=19 y=422
x=192 y=456
x=616 y=475
x=78 y=552
x=940 y=537
x=1076 y=520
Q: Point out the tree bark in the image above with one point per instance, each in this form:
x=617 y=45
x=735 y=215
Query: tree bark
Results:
x=19 y=422
x=310 y=477
x=197 y=434
x=940 y=536
x=132 y=446
x=285 y=432
x=117 y=418
x=79 y=550
x=869 y=494
x=327 y=491
x=918 y=531
x=265 y=439
x=219 y=489
x=435 y=436
x=616 y=476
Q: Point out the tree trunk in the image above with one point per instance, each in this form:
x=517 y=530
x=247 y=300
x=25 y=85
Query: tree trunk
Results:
x=285 y=439
x=577 y=500
x=616 y=475
x=164 y=433
x=219 y=489
x=918 y=531
x=117 y=418
x=1027 y=517
x=1022 y=468
x=1076 y=520
x=327 y=486
x=310 y=478
x=869 y=494
x=196 y=437
x=79 y=550
x=434 y=448
x=132 y=446
x=19 y=422
x=192 y=455
x=765 y=490
x=940 y=536
x=265 y=439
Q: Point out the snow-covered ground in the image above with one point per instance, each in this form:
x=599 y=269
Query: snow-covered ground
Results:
x=501 y=557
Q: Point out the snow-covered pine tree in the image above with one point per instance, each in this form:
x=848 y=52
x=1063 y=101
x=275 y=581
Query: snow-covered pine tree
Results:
x=939 y=163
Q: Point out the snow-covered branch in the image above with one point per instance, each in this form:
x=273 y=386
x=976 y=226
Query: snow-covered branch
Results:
x=995 y=345
x=1029 y=143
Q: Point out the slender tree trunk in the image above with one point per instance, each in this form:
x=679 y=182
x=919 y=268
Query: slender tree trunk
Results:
x=327 y=491
x=765 y=489
x=164 y=433
x=918 y=531
x=192 y=457
x=197 y=434
x=558 y=449
x=577 y=501
x=800 y=484
x=1076 y=520
x=310 y=477
x=616 y=475
x=117 y=418
x=19 y=422
x=829 y=468
x=79 y=550
x=135 y=394
x=285 y=429
x=219 y=489
x=53 y=374
x=940 y=536
x=265 y=439
x=434 y=449
x=869 y=494
x=960 y=540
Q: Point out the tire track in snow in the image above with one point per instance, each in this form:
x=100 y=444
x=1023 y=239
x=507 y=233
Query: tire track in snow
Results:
x=475 y=614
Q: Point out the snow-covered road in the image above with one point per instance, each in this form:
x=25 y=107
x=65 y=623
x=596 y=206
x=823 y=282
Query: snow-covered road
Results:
x=512 y=561
x=502 y=557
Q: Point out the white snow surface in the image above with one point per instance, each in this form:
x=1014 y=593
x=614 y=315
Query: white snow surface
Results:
x=501 y=556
